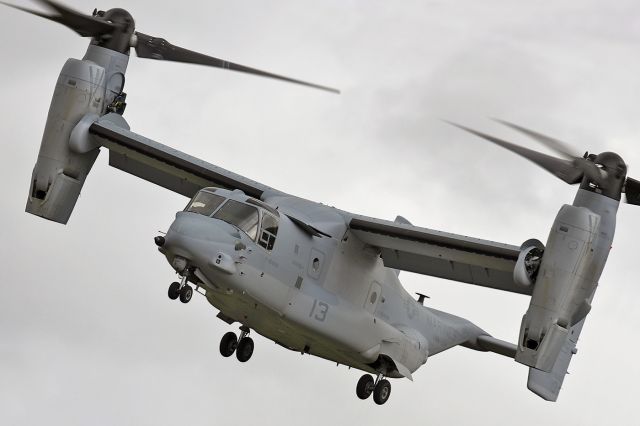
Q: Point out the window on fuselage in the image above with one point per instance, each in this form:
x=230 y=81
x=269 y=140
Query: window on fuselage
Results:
x=268 y=231
x=241 y=215
x=205 y=203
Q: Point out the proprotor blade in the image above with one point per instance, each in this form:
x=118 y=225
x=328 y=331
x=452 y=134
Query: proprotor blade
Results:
x=85 y=25
x=159 y=48
x=563 y=169
x=554 y=144
x=632 y=191
x=588 y=167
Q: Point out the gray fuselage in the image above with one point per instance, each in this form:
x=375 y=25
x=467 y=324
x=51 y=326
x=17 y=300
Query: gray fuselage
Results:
x=328 y=295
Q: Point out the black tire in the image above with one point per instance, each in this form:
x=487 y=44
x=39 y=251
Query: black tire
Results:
x=365 y=386
x=174 y=291
x=228 y=344
x=186 y=293
x=245 y=349
x=382 y=392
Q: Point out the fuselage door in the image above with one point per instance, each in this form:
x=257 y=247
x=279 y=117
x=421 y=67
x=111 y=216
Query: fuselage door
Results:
x=373 y=297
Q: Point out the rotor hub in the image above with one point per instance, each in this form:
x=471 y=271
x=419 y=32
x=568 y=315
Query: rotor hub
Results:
x=611 y=177
x=612 y=163
x=124 y=27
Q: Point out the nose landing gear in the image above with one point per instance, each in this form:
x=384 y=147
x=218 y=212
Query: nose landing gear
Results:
x=381 y=388
x=242 y=345
x=181 y=289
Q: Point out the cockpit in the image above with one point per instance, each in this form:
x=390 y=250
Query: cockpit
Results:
x=256 y=219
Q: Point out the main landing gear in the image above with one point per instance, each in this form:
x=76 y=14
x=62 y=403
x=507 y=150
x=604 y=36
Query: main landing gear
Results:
x=381 y=388
x=181 y=289
x=242 y=346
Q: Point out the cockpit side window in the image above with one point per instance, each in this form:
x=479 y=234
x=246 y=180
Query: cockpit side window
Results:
x=205 y=203
x=269 y=231
x=241 y=215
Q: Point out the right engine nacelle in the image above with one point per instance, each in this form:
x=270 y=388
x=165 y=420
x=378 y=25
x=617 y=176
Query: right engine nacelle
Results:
x=574 y=257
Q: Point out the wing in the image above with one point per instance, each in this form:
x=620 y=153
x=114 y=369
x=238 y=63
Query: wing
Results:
x=163 y=165
x=67 y=156
x=440 y=254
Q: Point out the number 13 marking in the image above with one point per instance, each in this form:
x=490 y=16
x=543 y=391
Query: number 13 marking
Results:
x=320 y=310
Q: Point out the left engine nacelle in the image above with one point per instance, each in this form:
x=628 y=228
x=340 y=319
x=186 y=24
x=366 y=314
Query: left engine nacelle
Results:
x=85 y=87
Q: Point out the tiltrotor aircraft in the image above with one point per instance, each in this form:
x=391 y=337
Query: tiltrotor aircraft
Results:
x=313 y=278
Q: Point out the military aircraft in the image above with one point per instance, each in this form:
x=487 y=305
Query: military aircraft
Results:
x=313 y=278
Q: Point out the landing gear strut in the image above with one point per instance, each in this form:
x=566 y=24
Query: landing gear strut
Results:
x=242 y=346
x=181 y=289
x=381 y=388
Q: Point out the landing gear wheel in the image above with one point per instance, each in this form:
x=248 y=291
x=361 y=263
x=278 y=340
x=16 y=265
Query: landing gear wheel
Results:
x=174 y=291
x=228 y=344
x=365 y=386
x=382 y=392
x=186 y=293
x=245 y=349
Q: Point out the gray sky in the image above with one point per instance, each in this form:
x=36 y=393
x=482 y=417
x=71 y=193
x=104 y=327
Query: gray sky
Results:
x=87 y=333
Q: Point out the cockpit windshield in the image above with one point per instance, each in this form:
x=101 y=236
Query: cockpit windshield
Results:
x=244 y=216
x=241 y=215
x=205 y=203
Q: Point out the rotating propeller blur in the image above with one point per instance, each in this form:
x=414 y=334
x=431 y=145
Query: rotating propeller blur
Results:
x=115 y=30
x=605 y=173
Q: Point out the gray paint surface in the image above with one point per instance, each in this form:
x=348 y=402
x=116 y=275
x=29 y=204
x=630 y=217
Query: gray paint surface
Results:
x=540 y=60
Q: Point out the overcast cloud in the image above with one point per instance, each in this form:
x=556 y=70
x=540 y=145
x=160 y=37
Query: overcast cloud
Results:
x=87 y=333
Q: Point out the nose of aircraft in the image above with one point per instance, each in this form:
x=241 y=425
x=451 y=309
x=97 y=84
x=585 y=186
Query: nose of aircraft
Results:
x=197 y=226
x=196 y=238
